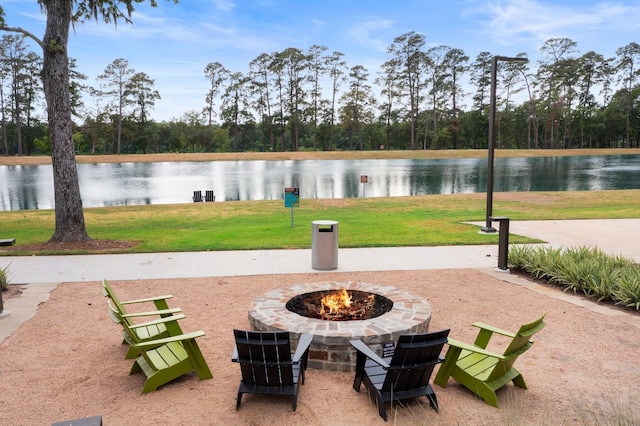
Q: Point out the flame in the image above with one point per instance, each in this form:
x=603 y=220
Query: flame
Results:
x=336 y=301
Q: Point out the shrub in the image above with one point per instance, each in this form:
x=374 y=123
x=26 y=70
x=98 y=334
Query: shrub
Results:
x=587 y=270
x=4 y=278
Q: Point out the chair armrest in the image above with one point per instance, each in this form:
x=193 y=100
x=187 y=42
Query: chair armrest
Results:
x=147 y=299
x=160 y=342
x=475 y=349
x=158 y=321
x=163 y=312
x=234 y=355
x=303 y=346
x=493 y=329
x=361 y=347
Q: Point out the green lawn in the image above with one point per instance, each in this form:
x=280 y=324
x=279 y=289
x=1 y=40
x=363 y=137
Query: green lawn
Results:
x=364 y=222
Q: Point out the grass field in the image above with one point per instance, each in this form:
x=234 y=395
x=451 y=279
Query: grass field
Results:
x=364 y=222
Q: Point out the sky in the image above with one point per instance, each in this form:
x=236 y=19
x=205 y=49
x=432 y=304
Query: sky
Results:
x=173 y=43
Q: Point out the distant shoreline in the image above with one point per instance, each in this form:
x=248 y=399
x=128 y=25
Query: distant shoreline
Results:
x=318 y=155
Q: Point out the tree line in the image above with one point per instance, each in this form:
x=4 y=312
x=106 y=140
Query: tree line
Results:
x=421 y=98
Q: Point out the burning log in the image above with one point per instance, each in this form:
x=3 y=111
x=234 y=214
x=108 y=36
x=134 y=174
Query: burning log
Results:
x=339 y=305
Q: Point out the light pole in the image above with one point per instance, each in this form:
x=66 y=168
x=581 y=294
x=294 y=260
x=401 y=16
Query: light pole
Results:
x=492 y=137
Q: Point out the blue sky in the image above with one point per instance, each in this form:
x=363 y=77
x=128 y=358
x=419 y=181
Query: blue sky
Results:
x=174 y=43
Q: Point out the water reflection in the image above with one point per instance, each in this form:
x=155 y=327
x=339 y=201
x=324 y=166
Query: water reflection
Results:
x=31 y=187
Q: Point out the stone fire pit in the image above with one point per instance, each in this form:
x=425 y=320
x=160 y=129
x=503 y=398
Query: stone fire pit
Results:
x=330 y=349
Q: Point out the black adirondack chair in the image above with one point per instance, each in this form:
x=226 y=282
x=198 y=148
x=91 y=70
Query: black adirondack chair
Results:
x=197 y=196
x=403 y=375
x=267 y=365
x=209 y=195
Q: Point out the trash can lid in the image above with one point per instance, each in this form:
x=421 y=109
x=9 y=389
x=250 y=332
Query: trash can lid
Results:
x=324 y=222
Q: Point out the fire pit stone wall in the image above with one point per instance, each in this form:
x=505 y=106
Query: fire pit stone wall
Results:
x=330 y=349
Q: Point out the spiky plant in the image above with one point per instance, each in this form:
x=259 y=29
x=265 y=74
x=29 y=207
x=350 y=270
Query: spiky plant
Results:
x=4 y=278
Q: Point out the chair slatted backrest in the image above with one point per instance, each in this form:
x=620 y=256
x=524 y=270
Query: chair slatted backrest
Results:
x=520 y=343
x=116 y=316
x=108 y=292
x=413 y=361
x=265 y=358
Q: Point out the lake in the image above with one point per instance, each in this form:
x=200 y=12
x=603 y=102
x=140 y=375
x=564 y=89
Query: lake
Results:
x=120 y=184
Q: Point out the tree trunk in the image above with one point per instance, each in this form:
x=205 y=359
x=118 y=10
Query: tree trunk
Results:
x=119 y=128
x=17 y=119
x=3 y=122
x=69 y=226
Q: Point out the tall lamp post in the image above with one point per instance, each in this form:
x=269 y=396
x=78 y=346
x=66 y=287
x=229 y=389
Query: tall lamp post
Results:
x=491 y=143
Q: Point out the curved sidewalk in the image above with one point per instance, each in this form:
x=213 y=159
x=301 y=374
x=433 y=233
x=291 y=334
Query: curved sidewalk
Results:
x=613 y=236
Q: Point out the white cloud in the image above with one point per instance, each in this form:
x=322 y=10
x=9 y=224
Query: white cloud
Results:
x=364 y=33
x=511 y=22
x=225 y=5
x=318 y=24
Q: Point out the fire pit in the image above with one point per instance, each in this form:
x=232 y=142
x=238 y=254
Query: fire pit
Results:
x=339 y=305
x=377 y=315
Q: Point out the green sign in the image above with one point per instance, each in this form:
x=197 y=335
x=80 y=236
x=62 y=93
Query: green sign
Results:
x=292 y=197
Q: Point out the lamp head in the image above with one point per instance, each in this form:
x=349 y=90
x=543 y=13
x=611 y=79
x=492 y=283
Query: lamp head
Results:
x=511 y=59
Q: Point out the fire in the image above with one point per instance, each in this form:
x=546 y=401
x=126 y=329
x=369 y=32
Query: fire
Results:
x=336 y=301
x=339 y=304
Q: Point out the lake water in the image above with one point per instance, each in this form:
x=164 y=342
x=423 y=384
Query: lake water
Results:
x=118 y=184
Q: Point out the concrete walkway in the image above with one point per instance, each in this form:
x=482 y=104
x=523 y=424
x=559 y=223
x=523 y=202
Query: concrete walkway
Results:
x=613 y=236
x=41 y=274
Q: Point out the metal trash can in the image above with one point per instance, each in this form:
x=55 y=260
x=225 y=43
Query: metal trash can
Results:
x=324 y=244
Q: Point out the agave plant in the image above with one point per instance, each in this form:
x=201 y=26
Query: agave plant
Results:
x=4 y=278
x=582 y=270
x=627 y=293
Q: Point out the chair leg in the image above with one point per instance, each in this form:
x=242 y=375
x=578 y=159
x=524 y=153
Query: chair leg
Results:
x=357 y=381
x=135 y=368
x=294 y=405
x=433 y=400
x=487 y=394
x=360 y=362
x=519 y=381
x=375 y=395
x=150 y=385
x=382 y=408
x=238 y=400
x=197 y=359
x=446 y=369
x=132 y=353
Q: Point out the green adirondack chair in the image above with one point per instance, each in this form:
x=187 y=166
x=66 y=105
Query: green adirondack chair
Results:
x=484 y=372
x=166 y=359
x=151 y=330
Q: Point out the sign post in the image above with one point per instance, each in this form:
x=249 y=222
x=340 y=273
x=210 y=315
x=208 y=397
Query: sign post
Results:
x=291 y=199
x=364 y=179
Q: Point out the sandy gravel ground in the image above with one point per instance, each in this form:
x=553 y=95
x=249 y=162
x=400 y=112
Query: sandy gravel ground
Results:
x=67 y=362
